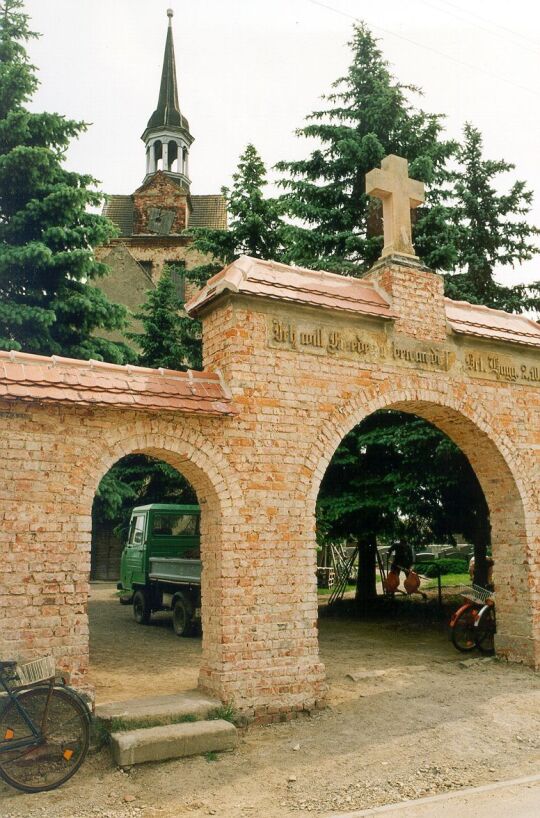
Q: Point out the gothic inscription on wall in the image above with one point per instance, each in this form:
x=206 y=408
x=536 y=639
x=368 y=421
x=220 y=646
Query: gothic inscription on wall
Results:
x=319 y=339
x=520 y=366
x=423 y=356
x=356 y=344
x=499 y=367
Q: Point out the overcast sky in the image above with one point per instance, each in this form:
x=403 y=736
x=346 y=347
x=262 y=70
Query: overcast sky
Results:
x=251 y=70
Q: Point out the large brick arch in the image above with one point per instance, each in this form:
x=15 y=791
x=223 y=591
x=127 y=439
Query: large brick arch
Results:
x=501 y=470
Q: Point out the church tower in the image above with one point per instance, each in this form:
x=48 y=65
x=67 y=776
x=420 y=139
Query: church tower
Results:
x=167 y=137
x=152 y=221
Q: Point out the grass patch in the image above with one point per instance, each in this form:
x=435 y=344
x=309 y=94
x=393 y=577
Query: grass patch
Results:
x=447 y=581
x=211 y=755
x=327 y=591
x=225 y=712
x=120 y=725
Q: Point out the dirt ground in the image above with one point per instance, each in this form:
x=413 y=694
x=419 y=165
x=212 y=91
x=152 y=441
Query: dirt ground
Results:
x=423 y=724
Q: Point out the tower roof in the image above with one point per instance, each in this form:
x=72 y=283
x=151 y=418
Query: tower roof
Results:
x=168 y=112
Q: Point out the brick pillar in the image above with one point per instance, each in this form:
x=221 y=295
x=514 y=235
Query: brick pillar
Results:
x=417 y=295
x=264 y=654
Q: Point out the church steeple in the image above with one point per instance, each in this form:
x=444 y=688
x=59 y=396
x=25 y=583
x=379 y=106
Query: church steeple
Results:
x=167 y=137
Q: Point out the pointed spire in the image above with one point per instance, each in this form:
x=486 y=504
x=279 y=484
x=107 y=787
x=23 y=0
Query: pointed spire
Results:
x=166 y=137
x=168 y=112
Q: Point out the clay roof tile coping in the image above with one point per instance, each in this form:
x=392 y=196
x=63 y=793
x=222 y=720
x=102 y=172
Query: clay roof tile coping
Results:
x=273 y=279
x=15 y=372
x=205 y=377
x=482 y=321
x=26 y=376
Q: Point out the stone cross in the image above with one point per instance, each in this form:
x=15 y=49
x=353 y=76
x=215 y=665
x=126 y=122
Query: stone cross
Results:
x=399 y=194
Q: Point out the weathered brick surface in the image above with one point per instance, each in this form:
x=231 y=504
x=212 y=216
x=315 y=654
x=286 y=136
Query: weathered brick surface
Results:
x=128 y=283
x=417 y=297
x=257 y=475
x=160 y=191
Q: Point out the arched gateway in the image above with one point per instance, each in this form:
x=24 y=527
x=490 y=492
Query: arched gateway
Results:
x=294 y=359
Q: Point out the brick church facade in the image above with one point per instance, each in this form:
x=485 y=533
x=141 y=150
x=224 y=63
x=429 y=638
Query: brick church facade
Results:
x=151 y=221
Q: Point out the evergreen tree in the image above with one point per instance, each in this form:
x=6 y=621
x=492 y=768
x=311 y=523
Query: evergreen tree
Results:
x=170 y=339
x=48 y=304
x=369 y=116
x=255 y=225
x=137 y=480
x=255 y=229
x=397 y=475
x=491 y=230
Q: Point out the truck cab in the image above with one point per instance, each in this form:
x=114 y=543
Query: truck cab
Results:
x=160 y=568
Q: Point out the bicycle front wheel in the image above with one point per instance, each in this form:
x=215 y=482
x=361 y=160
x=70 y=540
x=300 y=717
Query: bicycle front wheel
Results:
x=463 y=633
x=52 y=758
x=485 y=631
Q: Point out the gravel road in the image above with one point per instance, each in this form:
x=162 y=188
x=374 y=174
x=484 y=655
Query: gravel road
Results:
x=406 y=718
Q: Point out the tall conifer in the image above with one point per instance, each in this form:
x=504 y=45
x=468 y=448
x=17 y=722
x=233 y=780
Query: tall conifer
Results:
x=255 y=229
x=255 y=224
x=48 y=303
x=491 y=230
x=169 y=339
x=369 y=116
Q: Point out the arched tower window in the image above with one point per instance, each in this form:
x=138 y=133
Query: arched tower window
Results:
x=158 y=154
x=172 y=157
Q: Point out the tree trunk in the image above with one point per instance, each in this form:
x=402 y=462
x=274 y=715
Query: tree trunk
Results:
x=481 y=545
x=366 y=583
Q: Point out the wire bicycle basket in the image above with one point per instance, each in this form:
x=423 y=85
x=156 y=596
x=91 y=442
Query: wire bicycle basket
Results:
x=39 y=670
x=477 y=594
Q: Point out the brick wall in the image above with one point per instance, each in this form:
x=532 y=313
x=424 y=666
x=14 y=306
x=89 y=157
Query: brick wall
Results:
x=417 y=297
x=160 y=192
x=257 y=476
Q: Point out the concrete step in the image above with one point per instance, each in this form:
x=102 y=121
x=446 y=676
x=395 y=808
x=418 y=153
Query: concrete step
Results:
x=172 y=741
x=150 y=712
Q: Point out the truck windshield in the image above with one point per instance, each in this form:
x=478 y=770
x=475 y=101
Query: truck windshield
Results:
x=175 y=525
x=136 y=530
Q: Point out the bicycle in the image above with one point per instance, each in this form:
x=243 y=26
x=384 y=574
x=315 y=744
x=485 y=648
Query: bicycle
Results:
x=474 y=625
x=44 y=727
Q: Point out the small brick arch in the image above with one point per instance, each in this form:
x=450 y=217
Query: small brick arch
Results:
x=501 y=471
x=215 y=484
x=186 y=450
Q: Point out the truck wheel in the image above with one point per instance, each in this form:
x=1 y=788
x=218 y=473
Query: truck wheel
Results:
x=141 y=608
x=182 y=616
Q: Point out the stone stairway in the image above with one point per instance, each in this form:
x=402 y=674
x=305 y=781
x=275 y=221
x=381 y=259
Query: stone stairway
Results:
x=164 y=727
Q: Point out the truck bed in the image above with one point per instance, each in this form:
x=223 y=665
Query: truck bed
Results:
x=175 y=569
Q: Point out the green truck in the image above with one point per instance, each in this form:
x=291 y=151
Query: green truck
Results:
x=160 y=567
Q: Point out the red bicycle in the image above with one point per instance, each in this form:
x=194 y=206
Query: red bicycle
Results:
x=474 y=625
